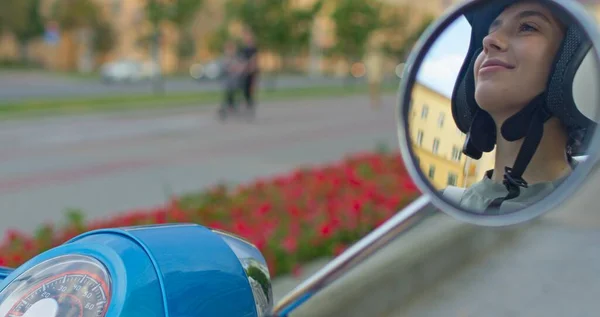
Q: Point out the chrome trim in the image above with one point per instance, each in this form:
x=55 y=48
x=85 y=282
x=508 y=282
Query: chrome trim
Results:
x=256 y=270
x=569 y=186
x=356 y=254
x=260 y=284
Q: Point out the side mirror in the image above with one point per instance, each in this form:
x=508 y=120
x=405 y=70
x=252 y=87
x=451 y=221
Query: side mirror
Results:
x=498 y=105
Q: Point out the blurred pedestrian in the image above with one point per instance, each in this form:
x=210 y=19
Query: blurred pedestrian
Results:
x=249 y=53
x=374 y=66
x=233 y=67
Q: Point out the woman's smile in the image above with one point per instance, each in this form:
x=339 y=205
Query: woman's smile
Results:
x=494 y=65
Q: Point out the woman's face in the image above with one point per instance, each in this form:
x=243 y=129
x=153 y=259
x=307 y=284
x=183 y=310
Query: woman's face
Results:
x=516 y=59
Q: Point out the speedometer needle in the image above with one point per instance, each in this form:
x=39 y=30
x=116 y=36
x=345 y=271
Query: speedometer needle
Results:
x=46 y=307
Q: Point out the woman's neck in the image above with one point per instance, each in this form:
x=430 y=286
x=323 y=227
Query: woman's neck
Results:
x=549 y=162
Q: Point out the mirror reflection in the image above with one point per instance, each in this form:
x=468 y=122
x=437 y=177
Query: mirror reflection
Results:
x=504 y=105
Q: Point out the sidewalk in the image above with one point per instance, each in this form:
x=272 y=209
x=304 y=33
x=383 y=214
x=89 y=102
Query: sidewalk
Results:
x=409 y=265
x=553 y=269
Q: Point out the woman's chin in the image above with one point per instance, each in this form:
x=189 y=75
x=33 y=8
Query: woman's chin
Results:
x=490 y=99
x=496 y=97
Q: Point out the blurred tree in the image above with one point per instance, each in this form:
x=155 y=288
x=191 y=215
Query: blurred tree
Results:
x=13 y=15
x=354 y=20
x=72 y=17
x=402 y=47
x=279 y=27
x=182 y=14
x=156 y=13
x=22 y=18
x=33 y=29
x=75 y=14
x=104 y=38
x=85 y=14
x=217 y=39
x=302 y=26
x=186 y=47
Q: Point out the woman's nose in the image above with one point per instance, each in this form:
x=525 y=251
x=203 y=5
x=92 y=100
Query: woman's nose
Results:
x=495 y=42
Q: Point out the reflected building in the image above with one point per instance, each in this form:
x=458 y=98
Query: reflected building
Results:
x=437 y=142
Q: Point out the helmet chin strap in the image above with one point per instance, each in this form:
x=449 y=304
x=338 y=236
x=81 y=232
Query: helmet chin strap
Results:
x=513 y=129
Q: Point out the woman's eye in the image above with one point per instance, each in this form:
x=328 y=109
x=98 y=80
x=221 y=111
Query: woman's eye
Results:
x=527 y=28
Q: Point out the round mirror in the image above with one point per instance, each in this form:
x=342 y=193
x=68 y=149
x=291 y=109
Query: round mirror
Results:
x=498 y=108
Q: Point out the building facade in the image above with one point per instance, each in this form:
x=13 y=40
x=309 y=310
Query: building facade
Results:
x=437 y=142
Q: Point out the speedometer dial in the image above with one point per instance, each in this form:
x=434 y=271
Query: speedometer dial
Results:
x=76 y=294
x=72 y=286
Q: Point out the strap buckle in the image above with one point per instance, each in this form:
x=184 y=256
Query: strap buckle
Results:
x=513 y=181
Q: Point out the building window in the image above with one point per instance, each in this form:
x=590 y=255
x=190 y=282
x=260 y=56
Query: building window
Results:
x=456 y=153
x=431 y=171
x=452 y=179
x=436 y=145
x=420 y=137
x=441 y=119
x=424 y=112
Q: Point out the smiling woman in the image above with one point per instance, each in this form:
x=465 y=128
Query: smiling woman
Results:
x=512 y=99
x=512 y=70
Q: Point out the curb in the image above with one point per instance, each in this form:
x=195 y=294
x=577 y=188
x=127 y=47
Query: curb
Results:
x=407 y=266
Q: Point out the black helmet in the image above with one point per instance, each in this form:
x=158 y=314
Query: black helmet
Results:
x=558 y=100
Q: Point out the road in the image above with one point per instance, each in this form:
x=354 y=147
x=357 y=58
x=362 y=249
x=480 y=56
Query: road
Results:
x=110 y=164
x=15 y=86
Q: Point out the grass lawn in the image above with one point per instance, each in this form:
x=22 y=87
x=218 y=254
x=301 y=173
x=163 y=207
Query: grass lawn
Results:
x=80 y=105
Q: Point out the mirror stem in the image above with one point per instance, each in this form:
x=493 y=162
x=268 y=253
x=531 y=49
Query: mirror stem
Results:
x=356 y=254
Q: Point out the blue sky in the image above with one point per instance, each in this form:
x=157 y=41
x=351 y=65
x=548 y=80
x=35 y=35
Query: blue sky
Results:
x=443 y=61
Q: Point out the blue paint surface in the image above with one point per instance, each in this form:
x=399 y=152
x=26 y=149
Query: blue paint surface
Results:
x=159 y=271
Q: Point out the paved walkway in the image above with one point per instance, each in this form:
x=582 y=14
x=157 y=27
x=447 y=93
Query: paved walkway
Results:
x=552 y=270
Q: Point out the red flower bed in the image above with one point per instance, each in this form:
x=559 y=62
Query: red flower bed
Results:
x=292 y=219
